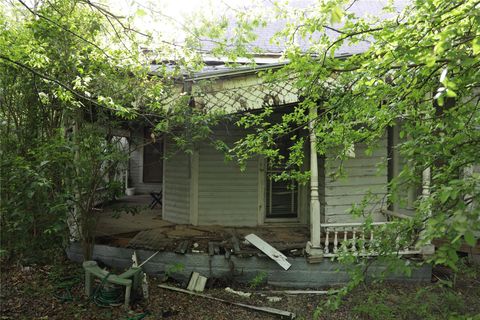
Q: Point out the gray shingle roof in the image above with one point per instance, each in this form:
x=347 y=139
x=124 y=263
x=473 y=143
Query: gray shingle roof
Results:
x=361 y=8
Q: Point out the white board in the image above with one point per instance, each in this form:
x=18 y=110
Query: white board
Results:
x=270 y=251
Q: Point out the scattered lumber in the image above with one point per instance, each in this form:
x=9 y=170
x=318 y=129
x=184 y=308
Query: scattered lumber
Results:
x=236 y=244
x=213 y=248
x=239 y=293
x=294 y=292
x=270 y=251
x=210 y=249
x=277 y=312
x=183 y=247
x=274 y=299
x=197 y=282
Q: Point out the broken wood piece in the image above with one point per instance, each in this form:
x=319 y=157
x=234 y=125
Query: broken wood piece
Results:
x=277 y=312
x=294 y=292
x=197 y=282
x=270 y=251
x=213 y=248
x=148 y=259
x=274 y=299
x=228 y=253
x=239 y=293
x=210 y=249
x=216 y=248
x=183 y=247
x=236 y=244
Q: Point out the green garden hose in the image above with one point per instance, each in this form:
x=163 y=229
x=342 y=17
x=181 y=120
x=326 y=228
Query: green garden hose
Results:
x=107 y=296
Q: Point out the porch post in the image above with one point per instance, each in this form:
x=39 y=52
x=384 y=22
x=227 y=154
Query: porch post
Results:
x=428 y=248
x=314 y=199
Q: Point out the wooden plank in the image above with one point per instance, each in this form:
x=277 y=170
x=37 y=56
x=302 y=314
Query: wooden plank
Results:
x=270 y=251
x=216 y=248
x=183 y=247
x=277 y=312
x=197 y=282
x=395 y=214
x=297 y=292
x=236 y=244
x=210 y=249
x=193 y=281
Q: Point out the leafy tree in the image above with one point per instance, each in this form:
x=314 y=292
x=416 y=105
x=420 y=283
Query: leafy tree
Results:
x=71 y=72
x=420 y=72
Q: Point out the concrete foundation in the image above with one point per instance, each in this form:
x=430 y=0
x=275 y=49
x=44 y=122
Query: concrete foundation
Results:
x=242 y=269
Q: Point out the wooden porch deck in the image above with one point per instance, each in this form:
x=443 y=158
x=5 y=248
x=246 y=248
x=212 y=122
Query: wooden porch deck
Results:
x=130 y=223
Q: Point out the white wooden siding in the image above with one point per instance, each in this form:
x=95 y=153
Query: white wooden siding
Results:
x=363 y=176
x=226 y=195
x=176 y=191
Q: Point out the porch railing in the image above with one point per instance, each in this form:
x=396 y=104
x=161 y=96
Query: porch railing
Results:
x=338 y=238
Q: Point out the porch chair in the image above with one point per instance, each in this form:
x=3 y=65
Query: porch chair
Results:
x=156 y=199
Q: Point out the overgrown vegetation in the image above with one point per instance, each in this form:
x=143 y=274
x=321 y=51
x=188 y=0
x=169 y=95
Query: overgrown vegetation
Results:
x=63 y=92
x=57 y=292
x=419 y=73
x=71 y=72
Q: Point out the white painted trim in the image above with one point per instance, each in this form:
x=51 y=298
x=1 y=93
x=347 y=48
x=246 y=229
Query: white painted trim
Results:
x=141 y=162
x=261 y=191
x=315 y=222
x=194 y=163
x=163 y=175
x=285 y=220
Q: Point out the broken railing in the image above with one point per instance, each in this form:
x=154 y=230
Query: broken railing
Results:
x=356 y=238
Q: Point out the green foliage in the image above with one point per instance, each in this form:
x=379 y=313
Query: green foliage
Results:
x=177 y=267
x=62 y=91
x=258 y=280
x=420 y=73
x=426 y=303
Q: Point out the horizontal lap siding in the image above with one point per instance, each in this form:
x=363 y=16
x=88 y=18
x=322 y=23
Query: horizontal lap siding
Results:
x=226 y=195
x=364 y=175
x=177 y=185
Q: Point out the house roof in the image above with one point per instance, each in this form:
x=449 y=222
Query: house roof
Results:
x=361 y=8
x=270 y=53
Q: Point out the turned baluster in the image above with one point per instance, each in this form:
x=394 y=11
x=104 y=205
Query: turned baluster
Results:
x=363 y=242
x=327 y=232
x=371 y=244
x=335 y=241
x=344 y=242
x=354 y=239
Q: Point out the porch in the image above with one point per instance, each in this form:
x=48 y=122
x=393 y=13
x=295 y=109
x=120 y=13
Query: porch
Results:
x=220 y=252
x=130 y=223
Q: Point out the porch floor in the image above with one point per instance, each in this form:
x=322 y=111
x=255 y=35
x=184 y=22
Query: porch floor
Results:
x=130 y=223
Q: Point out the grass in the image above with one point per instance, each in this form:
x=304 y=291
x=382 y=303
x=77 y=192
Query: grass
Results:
x=41 y=292
x=447 y=299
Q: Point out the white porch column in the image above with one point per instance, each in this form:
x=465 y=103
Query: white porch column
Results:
x=314 y=199
x=428 y=248
x=426 y=182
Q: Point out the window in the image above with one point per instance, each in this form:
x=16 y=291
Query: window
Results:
x=282 y=195
x=152 y=158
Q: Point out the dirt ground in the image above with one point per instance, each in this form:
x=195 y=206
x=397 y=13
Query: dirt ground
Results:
x=57 y=292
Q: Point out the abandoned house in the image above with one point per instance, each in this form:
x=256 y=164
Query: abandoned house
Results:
x=202 y=205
